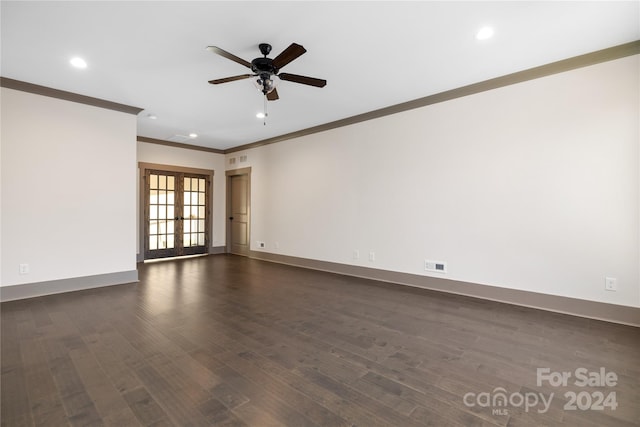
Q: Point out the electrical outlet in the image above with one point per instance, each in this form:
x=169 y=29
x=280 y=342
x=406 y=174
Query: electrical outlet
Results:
x=372 y=256
x=261 y=245
x=24 y=268
x=277 y=245
x=611 y=283
x=435 y=266
x=356 y=254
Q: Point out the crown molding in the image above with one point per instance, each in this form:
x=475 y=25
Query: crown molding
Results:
x=67 y=96
x=179 y=145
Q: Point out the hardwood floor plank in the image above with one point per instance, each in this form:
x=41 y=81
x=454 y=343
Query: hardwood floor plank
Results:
x=278 y=387
x=104 y=395
x=179 y=408
x=278 y=407
x=144 y=407
x=230 y=341
x=217 y=414
x=352 y=413
x=112 y=362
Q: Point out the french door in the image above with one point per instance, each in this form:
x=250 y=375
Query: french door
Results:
x=177 y=207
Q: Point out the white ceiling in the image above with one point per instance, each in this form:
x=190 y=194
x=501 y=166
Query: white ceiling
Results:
x=153 y=55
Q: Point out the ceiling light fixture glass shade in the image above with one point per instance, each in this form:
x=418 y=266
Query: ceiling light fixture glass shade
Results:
x=266 y=83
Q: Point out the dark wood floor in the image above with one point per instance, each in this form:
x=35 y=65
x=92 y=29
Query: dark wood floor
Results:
x=225 y=340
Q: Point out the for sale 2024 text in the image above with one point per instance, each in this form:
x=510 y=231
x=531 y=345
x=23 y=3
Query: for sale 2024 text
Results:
x=582 y=377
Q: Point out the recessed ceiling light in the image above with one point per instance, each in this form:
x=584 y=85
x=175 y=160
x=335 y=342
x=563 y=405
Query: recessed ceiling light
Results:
x=260 y=115
x=78 y=62
x=152 y=116
x=193 y=135
x=484 y=33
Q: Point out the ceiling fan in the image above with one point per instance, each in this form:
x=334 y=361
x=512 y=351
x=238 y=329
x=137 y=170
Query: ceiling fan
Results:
x=266 y=68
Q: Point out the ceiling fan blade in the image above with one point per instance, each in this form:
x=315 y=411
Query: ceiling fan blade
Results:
x=289 y=54
x=303 y=79
x=228 y=55
x=230 y=79
x=273 y=95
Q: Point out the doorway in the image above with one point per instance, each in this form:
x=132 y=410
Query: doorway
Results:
x=177 y=212
x=239 y=211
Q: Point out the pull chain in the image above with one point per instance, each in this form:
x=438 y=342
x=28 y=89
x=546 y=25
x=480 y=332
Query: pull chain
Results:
x=264 y=122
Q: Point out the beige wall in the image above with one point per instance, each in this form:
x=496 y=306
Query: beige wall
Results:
x=533 y=186
x=68 y=189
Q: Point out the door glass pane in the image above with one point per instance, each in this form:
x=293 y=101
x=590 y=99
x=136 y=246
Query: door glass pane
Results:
x=200 y=239
x=153 y=212
x=170 y=211
x=170 y=197
x=153 y=242
x=162 y=197
x=201 y=185
x=187 y=184
x=153 y=181
x=194 y=225
x=162 y=184
x=194 y=198
x=201 y=199
x=170 y=242
x=194 y=184
x=186 y=240
x=153 y=227
x=153 y=197
x=201 y=212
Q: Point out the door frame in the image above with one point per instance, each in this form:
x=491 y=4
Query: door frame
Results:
x=142 y=168
x=230 y=173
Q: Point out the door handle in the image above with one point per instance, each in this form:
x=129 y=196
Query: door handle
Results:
x=230 y=218
x=179 y=217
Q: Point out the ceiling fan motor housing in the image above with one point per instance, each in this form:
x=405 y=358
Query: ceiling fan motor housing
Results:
x=263 y=65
